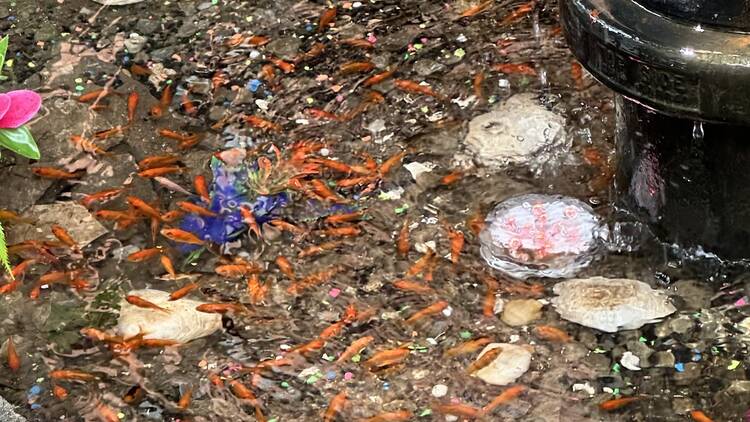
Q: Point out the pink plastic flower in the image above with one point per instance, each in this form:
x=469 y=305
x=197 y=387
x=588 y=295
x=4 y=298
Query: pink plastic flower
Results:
x=18 y=107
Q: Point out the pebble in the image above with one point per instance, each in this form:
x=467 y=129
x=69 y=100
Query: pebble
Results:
x=662 y=359
x=135 y=43
x=507 y=367
x=630 y=361
x=439 y=390
x=521 y=312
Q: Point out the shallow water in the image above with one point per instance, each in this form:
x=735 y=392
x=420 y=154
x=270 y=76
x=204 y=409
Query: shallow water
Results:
x=695 y=359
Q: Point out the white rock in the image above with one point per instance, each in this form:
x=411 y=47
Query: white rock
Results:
x=610 y=304
x=439 y=390
x=584 y=387
x=517 y=131
x=135 y=43
x=507 y=367
x=630 y=361
x=417 y=169
x=182 y=323
x=521 y=312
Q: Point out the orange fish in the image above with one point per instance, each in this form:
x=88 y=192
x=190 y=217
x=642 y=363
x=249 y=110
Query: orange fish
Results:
x=346 y=231
x=255 y=289
x=456 y=238
x=13 y=217
x=355 y=348
x=509 y=394
x=484 y=360
x=93 y=95
x=311 y=346
x=553 y=334
x=143 y=207
x=237 y=270
x=188 y=106
x=322 y=114
x=415 y=88
x=264 y=124
x=249 y=218
x=451 y=178
x=132 y=106
x=431 y=310
x=314 y=279
x=397 y=416
x=699 y=416
x=63 y=236
x=106 y=414
x=83 y=144
x=59 y=392
x=338 y=402
x=322 y=190
x=21 y=268
x=184 y=402
x=164 y=102
x=356 y=67
x=380 y=77
x=144 y=255
x=182 y=292
x=181 y=236
x=615 y=404
x=71 y=374
x=139 y=70
x=108 y=133
x=171 y=216
x=515 y=68
x=317 y=49
x=190 y=207
x=168 y=266
x=457 y=409
x=221 y=308
x=470 y=346
x=156 y=161
x=477 y=85
x=53 y=173
x=332 y=330
x=402 y=244
x=475 y=10
x=387 y=358
x=241 y=391
x=421 y=263
x=143 y=303
x=333 y=165
x=160 y=171
x=201 y=187
x=390 y=163
x=326 y=18
x=318 y=249
x=14 y=362
x=344 y=218
x=358 y=42
x=101 y=196
x=476 y=223
x=411 y=286
x=285 y=267
x=490 y=298
x=518 y=13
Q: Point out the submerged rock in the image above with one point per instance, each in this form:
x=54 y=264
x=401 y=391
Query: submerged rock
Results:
x=75 y=218
x=517 y=131
x=541 y=236
x=610 y=304
x=521 y=312
x=507 y=367
x=182 y=323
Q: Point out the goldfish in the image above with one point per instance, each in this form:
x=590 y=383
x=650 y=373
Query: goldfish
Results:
x=576 y=73
x=60 y=392
x=333 y=165
x=171 y=216
x=323 y=191
x=160 y=171
x=285 y=67
x=260 y=123
x=411 y=286
x=484 y=360
x=317 y=249
x=143 y=207
x=258 y=40
x=249 y=218
x=168 y=266
x=387 y=358
x=221 y=308
x=451 y=178
x=201 y=187
x=183 y=291
x=311 y=346
x=513 y=68
x=21 y=268
x=143 y=255
x=456 y=238
x=134 y=395
x=192 y=208
x=241 y=391
x=143 y=303
x=13 y=217
x=338 y=402
x=348 y=183
x=53 y=173
x=344 y=218
x=326 y=18
x=380 y=77
x=237 y=270
x=421 y=264
x=106 y=414
x=181 y=236
x=457 y=409
x=549 y=333
x=332 y=330
x=699 y=416
x=490 y=298
x=132 y=106
x=157 y=111
x=14 y=362
x=476 y=223
x=345 y=231
x=390 y=163
x=518 y=13
x=355 y=348
x=358 y=42
x=9 y=287
x=477 y=85
x=188 y=106
x=184 y=402
x=397 y=416
x=319 y=114
x=63 y=236
x=356 y=67
x=475 y=10
x=83 y=144
x=433 y=309
x=101 y=196
x=415 y=88
x=317 y=49
x=216 y=380
x=509 y=394
x=157 y=342
x=139 y=70
x=402 y=245
x=108 y=133
x=156 y=161
x=466 y=347
x=71 y=374
x=285 y=267
x=255 y=289
x=98 y=335
x=93 y=95
x=614 y=404
x=314 y=279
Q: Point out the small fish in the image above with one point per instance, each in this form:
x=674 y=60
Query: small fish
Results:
x=93 y=95
x=285 y=267
x=255 y=289
x=139 y=70
x=156 y=161
x=333 y=165
x=325 y=193
x=183 y=291
x=421 y=264
x=241 y=391
x=347 y=231
x=13 y=217
x=431 y=310
x=201 y=187
x=380 y=77
x=457 y=409
x=264 y=124
x=415 y=88
x=490 y=298
x=326 y=18
x=249 y=218
x=59 y=392
x=108 y=133
x=184 y=402
x=355 y=348
x=476 y=222
x=101 y=196
x=338 y=402
x=318 y=249
x=221 y=308
x=314 y=279
x=615 y=404
x=160 y=171
x=14 y=362
x=509 y=394
x=192 y=208
x=317 y=49
x=390 y=163
x=319 y=114
x=456 y=238
x=134 y=395
x=21 y=268
x=71 y=374
x=187 y=105
x=451 y=178
x=344 y=218
x=237 y=270
x=144 y=254
x=158 y=342
x=358 y=42
x=387 y=358
x=412 y=286
x=106 y=414
x=356 y=67
x=285 y=67
x=484 y=360
x=181 y=236
x=699 y=416
x=397 y=416
x=168 y=266
x=53 y=173
x=518 y=13
x=143 y=207
x=98 y=335
x=311 y=346
x=83 y=144
x=332 y=330
x=475 y=10
x=477 y=85
x=515 y=68
x=467 y=347
x=143 y=303
x=63 y=236
x=165 y=101
x=132 y=106
x=546 y=332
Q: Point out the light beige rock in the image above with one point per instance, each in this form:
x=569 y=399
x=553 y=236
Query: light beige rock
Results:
x=75 y=218
x=507 y=367
x=182 y=323
x=521 y=312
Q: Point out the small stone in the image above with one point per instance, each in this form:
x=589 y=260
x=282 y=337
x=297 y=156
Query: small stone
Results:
x=135 y=43
x=427 y=67
x=521 y=312
x=641 y=351
x=663 y=359
x=439 y=390
x=507 y=367
x=630 y=361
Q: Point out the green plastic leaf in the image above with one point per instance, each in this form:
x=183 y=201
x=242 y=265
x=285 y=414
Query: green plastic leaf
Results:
x=3 y=50
x=20 y=141
x=4 y=252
